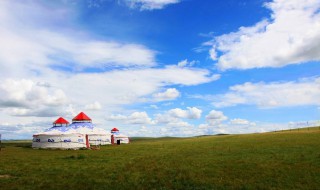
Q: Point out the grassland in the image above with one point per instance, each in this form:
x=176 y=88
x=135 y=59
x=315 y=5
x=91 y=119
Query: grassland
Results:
x=278 y=160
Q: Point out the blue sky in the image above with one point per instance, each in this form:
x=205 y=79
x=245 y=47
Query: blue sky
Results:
x=160 y=67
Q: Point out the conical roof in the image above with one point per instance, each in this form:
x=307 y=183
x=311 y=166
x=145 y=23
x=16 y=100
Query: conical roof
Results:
x=81 y=117
x=60 y=121
x=114 y=129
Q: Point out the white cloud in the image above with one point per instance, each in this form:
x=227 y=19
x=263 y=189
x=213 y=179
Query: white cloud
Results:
x=143 y=129
x=150 y=4
x=216 y=125
x=111 y=89
x=52 y=48
x=116 y=117
x=104 y=54
x=271 y=95
x=179 y=129
x=169 y=94
x=179 y=124
x=22 y=52
x=39 y=111
x=139 y=118
x=28 y=94
x=238 y=121
x=49 y=49
x=292 y=36
x=134 y=118
x=18 y=130
x=44 y=75
x=190 y=113
x=186 y=63
x=166 y=124
x=166 y=119
x=183 y=63
x=121 y=87
x=303 y=124
x=174 y=117
x=215 y=117
x=94 y=106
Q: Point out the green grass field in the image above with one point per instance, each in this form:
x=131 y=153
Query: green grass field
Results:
x=278 y=160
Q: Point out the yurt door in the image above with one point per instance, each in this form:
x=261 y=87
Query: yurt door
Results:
x=87 y=141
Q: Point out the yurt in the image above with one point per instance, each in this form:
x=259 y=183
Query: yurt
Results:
x=81 y=133
x=118 y=138
x=96 y=136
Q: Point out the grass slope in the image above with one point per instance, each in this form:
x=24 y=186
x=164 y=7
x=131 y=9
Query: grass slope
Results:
x=279 y=160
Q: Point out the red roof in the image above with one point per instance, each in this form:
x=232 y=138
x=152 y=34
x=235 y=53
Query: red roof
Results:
x=81 y=117
x=61 y=120
x=114 y=129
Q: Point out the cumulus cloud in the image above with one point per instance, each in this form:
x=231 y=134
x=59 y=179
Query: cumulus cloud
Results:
x=169 y=94
x=218 y=123
x=228 y=128
x=181 y=129
x=175 y=115
x=116 y=117
x=49 y=49
x=52 y=51
x=291 y=36
x=166 y=119
x=29 y=94
x=40 y=111
x=215 y=117
x=54 y=62
x=16 y=130
x=150 y=4
x=139 y=118
x=121 y=87
x=21 y=50
x=171 y=122
x=238 y=121
x=94 y=106
x=190 y=113
x=134 y=118
x=271 y=95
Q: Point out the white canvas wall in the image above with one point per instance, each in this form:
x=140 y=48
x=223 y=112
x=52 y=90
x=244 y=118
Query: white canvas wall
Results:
x=98 y=139
x=61 y=141
x=123 y=139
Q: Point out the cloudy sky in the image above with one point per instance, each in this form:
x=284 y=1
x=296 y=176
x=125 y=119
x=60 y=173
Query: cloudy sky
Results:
x=160 y=67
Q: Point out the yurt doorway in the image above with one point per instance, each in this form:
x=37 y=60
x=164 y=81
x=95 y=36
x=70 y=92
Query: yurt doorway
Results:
x=87 y=141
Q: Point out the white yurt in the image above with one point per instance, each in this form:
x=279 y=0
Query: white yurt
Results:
x=118 y=138
x=80 y=134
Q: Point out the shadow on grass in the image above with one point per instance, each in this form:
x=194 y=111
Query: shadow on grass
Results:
x=75 y=157
x=24 y=145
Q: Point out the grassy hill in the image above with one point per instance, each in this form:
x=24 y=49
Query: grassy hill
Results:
x=277 y=160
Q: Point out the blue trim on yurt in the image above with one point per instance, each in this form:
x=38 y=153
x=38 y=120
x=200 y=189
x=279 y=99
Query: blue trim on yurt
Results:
x=74 y=125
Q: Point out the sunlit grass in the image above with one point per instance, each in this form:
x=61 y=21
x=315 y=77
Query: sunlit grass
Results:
x=278 y=160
